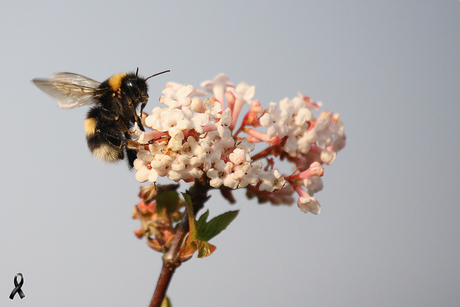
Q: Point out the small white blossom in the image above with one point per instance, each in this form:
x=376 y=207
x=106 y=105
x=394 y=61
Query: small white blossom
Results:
x=218 y=86
x=245 y=92
x=248 y=174
x=271 y=180
x=276 y=121
x=308 y=204
x=313 y=184
x=222 y=174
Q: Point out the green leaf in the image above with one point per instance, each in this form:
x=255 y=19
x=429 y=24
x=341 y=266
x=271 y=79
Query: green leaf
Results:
x=202 y=231
x=205 y=249
x=191 y=217
x=168 y=199
x=208 y=230
x=166 y=302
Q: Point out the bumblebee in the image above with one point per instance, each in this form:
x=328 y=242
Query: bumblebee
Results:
x=115 y=102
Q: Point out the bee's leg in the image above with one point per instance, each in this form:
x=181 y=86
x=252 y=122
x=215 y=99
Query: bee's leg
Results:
x=131 y=144
x=137 y=118
x=132 y=147
x=132 y=156
x=142 y=109
x=139 y=122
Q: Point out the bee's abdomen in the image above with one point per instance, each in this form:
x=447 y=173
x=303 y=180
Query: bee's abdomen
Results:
x=105 y=152
x=103 y=141
x=90 y=126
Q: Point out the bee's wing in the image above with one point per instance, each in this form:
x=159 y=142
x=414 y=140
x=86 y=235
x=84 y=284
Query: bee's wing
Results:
x=71 y=90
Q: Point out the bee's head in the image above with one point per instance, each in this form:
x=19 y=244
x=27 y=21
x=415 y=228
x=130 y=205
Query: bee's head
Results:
x=136 y=89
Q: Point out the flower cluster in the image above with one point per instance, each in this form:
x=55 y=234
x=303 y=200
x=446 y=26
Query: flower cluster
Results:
x=194 y=136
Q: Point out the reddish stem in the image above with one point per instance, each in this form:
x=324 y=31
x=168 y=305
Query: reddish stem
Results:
x=171 y=259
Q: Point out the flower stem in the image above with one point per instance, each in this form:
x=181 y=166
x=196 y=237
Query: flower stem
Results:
x=162 y=286
x=171 y=259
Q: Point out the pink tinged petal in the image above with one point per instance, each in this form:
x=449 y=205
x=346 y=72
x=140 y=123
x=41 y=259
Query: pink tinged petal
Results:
x=306 y=203
x=198 y=121
x=207 y=85
x=174 y=176
x=220 y=165
x=185 y=90
x=245 y=145
x=173 y=85
x=266 y=120
x=300 y=191
x=153 y=175
x=197 y=105
x=313 y=184
x=175 y=143
x=309 y=204
x=145 y=155
x=255 y=133
x=315 y=169
x=221 y=174
x=271 y=132
x=142 y=174
x=328 y=155
x=275 y=141
x=264 y=137
x=228 y=167
x=196 y=173
x=230 y=99
x=223 y=144
x=150 y=135
x=280 y=179
x=297 y=104
x=266 y=186
x=235 y=107
x=238 y=156
x=271 y=180
x=291 y=146
x=304 y=145
x=138 y=164
x=162 y=166
x=245 y=91
x=218 y=87
x=309 y=103
x=169 y=92
x=183 y=95
x=231 y=182
x=251 y=118
x=249 y=174
x=312 y=136
x=303 y=115
x=252 y=139
x=323 y=121
x=212 y=107
x=210 y=127
x=216 y=181
x=226 y=117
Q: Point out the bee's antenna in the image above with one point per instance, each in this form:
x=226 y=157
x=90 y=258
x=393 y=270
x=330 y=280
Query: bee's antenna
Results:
x=157 y=74
x=137 y=70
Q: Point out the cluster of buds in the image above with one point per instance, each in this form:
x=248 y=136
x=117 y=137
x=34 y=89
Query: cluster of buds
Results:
x=165 y=226
x=194 y=137
x=157 y=220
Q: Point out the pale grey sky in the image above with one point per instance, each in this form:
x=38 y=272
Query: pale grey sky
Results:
x=388 y=233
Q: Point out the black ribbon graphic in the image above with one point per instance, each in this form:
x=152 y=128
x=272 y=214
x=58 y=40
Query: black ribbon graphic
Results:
x=17 y=287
